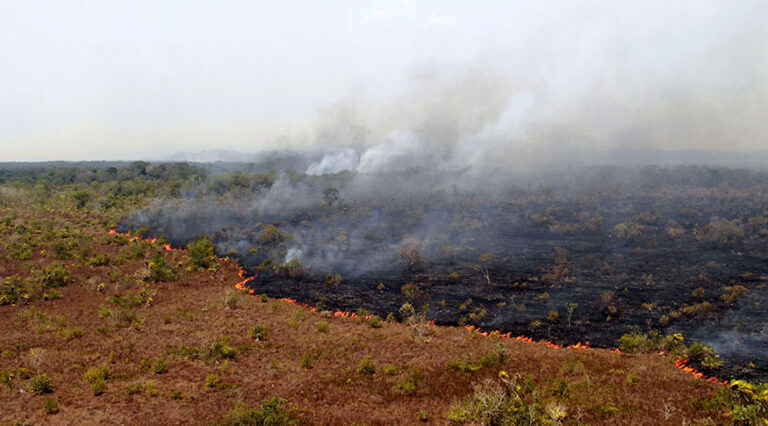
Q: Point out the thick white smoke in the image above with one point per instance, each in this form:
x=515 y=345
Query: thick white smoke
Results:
x=334 y=162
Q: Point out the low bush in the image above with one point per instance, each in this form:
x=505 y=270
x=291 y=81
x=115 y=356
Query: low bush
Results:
x=258 y=332
x=321 y=327
x=407 y=385
x=99 y=386
x=51 y=406
x=366 y=366
x=159 y=366
x=55 y=275
x=466 y=366
x=40 y=384
x=96 y=373
x=219 y=350
x=271 y=412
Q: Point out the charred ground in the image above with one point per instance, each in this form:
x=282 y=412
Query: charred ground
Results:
x=587 y=255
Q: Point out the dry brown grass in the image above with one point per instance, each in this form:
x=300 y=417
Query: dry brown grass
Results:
x=190 y=312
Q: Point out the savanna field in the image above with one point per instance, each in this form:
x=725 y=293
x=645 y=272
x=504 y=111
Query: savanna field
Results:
x=110 y=327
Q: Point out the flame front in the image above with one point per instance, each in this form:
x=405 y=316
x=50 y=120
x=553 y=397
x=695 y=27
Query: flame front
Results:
x=682 y=364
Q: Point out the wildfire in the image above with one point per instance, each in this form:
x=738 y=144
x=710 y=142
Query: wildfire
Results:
x=682 y=364
x=547 y=343
x=148 y=240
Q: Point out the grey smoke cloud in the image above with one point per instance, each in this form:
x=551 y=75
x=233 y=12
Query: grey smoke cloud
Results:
x=469 y=84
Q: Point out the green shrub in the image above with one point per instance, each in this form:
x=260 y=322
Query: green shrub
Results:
x=159 y=270
x=306 y=360
x=466 y=366
x=704 y=354
x=81 y=198
x=497 y=357
x=271 y=412
x=71 y=333
x=374 y=321
x=366 y=366
x=159 y=366
x=40 y=384
x=560 y=388
x=98 y=386
x=14 y=289
x=212 y=381
x=100 y=259
x=96 y=373
x=258 y=332
x=407 y=385
x=201 y=254
x=185 y=352
x=150 y=388
x=219 y=350
x=51 y=406
x=389 y=370
x=55 y=275
x=631 y=342
x=133 y=389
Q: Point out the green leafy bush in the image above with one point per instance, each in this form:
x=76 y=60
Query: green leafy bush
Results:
x=14 y=289
x=51 y=406
x=96 y=373
x=98 y=386
x=55 y=275
x=159 y=366
x=272 y=412
x=201 y=254
x=40 y=384
x=366 y=366
x=159 y=270
x=219 y=350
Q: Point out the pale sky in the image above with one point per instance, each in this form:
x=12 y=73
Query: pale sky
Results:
x=83 y=80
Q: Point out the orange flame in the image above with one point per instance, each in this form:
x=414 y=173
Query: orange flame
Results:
x=167 y=246
x=683 y=365
x=242 y=285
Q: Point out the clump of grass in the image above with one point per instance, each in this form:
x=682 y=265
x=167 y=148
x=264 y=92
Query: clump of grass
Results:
x=389 y=370
x=51 y=406
x=258 y=332
x=272 y=412
x=497 y=357
x=159 y=366
x=99 y=386
x=71 y=333
x=235 y=299
x=321 y=327
x=150 y=388
x=407 y=385
x=40 y=384
x=96 y=373
x=212 y=381
x=219 y=350
x=374 y=321
x=466 y=366
x=306 y=360
x=366 y=366
x=185 y=352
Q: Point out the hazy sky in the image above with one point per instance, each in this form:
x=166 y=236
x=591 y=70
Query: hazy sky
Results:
x=128 y=79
